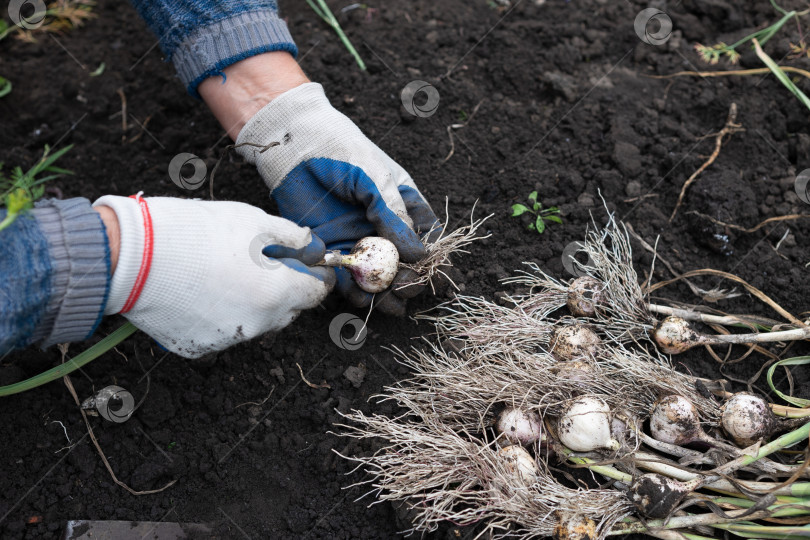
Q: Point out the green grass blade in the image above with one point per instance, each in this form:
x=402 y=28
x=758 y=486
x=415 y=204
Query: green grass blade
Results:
x=318 y=11
x=326 y=14
x=781 y=75
x=122 y=333
x=48 y=159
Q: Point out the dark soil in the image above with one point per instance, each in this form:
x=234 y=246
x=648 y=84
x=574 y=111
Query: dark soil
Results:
x=563 y=107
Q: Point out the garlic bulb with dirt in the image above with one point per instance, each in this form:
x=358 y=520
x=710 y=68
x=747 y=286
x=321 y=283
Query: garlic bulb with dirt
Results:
x=747 y=419
x=574 y=341
x=674 y=335
x=373 y=263
x=520 y=463
x=574 y=527
x=585 y=425
x=519 y=426
x=675 y=420
x=657 y=496
x=584 y=295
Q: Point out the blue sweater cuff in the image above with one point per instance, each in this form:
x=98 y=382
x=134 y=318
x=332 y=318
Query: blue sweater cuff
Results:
x=54 y=274
x=210 y=49
x=203 y=37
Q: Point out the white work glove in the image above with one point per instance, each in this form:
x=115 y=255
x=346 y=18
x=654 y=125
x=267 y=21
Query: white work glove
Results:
x=326 y=175
x=208 y=285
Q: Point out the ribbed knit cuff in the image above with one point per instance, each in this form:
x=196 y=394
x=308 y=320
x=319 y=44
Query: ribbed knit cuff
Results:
x=209 y=50
x=80 y=279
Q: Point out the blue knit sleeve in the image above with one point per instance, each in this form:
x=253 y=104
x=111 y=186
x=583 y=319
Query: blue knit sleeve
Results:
x=203 y=37
x=54 y=274
x=25 y=277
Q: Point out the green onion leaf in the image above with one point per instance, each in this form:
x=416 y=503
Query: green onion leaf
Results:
x=796 y=361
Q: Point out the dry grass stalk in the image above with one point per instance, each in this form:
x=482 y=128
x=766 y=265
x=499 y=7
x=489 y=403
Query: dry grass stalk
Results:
x=60 y=16
x=729 y=129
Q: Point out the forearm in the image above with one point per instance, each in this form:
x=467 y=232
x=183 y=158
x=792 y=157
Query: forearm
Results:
x=54 y=274
x=204 y=37
x=248 y=86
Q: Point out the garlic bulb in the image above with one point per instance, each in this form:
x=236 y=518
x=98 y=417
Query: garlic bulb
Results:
x=373 y=263
x=520 y=463
x=585 y=425
x=747 y=418
x=574 y=341
x=574 y=370
x=674 y=420
x=674 y=335
x=574 y=527
x=584 y=295
x=657 y=496
x=520 y=426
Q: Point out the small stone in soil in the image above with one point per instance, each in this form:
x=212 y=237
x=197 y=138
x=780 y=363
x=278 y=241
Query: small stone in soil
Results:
x=355 y=374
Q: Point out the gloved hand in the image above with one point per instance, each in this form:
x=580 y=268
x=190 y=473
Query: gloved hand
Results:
x=191 y=274
x=325 y=174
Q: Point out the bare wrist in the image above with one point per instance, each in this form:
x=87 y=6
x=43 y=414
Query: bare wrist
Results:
x=110 y=221
x=249 y=85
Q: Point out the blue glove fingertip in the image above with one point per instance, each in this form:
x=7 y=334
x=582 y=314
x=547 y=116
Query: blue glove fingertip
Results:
x=424 y=219
x=324 y=274
x=347 y=287
x=310 y=254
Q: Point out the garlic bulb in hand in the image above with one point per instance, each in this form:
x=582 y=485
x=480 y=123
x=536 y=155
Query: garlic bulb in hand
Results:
x=373 y=263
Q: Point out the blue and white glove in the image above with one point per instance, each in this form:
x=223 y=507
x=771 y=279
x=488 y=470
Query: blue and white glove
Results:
x=326 y=175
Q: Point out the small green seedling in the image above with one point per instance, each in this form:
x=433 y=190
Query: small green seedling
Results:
x=712 y=54
x=5 y=86
x=19 y=191
x=541 y=214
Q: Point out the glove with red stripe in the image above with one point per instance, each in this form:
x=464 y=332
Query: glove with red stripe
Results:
x=192 y=275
